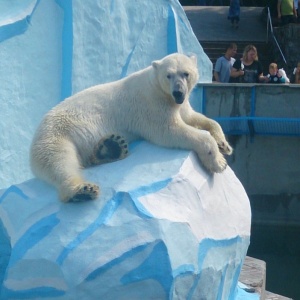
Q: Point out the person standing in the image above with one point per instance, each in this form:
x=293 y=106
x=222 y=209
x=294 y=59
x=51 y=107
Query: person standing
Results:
x=234 y=13
x=297 y=73
x=274 y=75
x=248 y=69
x=296 y=5
x=286 y=11
x=224 y=64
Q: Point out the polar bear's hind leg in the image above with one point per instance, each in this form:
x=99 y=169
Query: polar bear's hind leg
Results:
x=110 y=149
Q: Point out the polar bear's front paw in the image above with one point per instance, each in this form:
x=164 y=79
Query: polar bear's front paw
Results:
x=110 y=149
x=214 y=162
x=220 y=164
x=85 y=192
x=225 y=148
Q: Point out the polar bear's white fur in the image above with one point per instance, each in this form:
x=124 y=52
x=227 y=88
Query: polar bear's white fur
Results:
x=94 y=126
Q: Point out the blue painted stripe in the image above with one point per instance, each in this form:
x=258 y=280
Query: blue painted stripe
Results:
x=32 y=236
x=109 y=265
x=36 y=293
x=150 y=189
x=204 y=247
x=13 y=189
x=146 y=190
x=156 y=266
x=108 y=211
x=16 y=28
x=158 y=257
x=125 y=67
x=5 y=251
x=103 y=217
x=171 y=32
x=8 y=31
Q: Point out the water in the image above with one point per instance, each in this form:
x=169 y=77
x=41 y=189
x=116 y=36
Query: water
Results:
x=275 y=238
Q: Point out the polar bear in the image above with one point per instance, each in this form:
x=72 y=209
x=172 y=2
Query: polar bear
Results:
x=94 y=126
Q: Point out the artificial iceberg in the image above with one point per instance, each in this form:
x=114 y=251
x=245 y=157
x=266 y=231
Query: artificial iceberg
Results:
x=163 y=228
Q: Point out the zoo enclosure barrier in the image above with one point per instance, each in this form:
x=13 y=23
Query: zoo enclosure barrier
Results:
x=253 y=109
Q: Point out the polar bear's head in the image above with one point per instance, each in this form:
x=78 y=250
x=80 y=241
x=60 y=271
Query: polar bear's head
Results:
x=177 y=75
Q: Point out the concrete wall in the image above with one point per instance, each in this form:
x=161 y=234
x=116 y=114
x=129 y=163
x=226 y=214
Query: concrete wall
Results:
x=269 y=168
x=265 y=164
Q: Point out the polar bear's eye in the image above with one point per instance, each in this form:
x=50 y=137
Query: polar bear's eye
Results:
x=169 y=76
x=186 y=74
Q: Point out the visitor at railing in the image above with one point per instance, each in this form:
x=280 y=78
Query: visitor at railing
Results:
x=234 y=13
x=248 y=69
x=276 y=75
x=224 y=64
x=286 y=11
x=296 y=4
x=296 y=73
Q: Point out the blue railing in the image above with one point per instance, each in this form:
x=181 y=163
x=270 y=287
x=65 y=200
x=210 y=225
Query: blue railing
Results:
x=255 y=125
x=259 y=126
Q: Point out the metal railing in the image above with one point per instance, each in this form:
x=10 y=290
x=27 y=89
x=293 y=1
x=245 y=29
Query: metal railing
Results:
x=270 y=27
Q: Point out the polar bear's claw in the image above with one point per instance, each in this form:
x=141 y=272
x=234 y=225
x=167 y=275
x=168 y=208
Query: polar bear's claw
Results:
x=110 y=149
x=86 y=192
x=225 y=148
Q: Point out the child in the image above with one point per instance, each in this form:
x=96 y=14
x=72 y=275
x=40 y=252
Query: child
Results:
x=234 y=13
x=274 y=76
x=297 y=73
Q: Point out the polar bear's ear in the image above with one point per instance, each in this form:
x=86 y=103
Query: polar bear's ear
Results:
x=155 y=64
x=193 y=58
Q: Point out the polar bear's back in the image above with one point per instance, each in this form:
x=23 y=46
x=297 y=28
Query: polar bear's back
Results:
x=107 y=97
x=88 y=116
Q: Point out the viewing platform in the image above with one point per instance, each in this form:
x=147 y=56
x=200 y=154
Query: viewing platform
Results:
x=253 y=109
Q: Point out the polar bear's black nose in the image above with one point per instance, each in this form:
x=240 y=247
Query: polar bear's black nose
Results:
x=178 y=96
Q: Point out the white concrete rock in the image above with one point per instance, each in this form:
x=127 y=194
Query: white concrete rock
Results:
x=162 y=229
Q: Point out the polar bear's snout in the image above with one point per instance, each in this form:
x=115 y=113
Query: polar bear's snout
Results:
x=179 y=91
x=178 y=96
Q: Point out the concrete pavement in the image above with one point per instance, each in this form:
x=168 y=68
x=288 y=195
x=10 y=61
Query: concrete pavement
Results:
x=210 y=23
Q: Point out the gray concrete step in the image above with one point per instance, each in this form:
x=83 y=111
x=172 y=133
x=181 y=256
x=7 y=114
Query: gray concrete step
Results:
x=214 y=31
x=210 y=23
x=253 y=275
